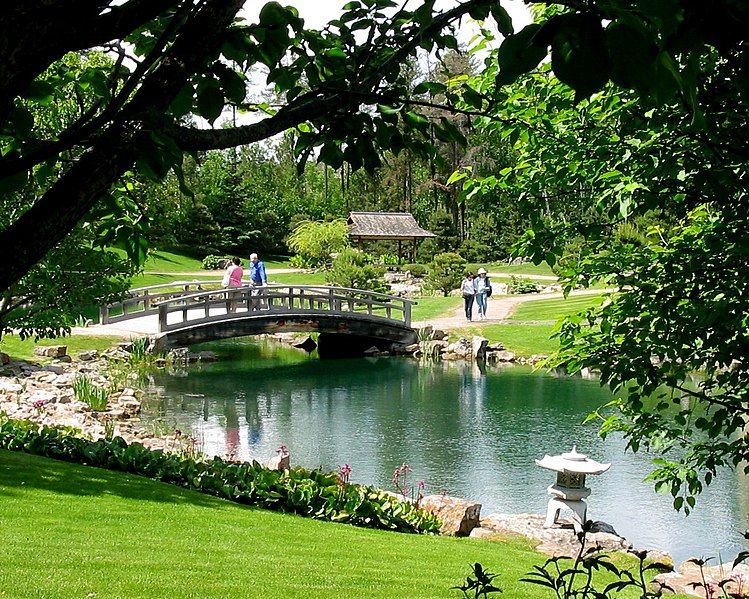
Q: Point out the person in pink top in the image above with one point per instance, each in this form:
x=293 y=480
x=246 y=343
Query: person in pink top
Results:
x=234 y=272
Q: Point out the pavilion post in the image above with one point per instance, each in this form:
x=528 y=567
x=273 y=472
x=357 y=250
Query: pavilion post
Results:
x=400 y=252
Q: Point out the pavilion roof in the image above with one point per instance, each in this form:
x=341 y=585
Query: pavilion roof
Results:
x=385 y=225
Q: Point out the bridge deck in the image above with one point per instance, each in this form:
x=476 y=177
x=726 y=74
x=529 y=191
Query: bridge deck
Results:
x=188 y=312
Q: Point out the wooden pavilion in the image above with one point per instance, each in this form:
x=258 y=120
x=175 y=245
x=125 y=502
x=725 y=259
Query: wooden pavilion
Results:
x=386 y=226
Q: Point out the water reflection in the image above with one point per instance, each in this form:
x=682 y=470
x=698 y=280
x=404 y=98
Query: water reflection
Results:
x=464 y=431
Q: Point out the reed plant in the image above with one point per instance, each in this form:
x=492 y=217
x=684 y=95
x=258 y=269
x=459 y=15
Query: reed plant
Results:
x=85 y=391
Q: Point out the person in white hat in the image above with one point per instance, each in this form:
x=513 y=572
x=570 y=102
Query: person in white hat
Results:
x=483 y=290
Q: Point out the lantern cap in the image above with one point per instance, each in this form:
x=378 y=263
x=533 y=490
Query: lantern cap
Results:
x=573 y=462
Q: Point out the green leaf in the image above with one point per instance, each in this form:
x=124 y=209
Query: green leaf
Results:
x=331 y=155
x=503 y=19
x=518 y=54
x=210 y=103
x=579 y=55
x=41 y=92
x=430 y=87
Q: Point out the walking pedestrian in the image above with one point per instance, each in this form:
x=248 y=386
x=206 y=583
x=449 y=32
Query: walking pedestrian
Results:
x=233 y=278
x=258 y=280
x=468 y=290
x=483 y=291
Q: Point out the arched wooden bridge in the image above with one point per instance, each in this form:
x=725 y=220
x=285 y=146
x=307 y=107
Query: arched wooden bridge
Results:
x=191 y=312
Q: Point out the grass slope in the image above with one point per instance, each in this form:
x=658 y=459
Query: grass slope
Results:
x=74 y=531
x=554 y=309
x=523 y=339
x=24 y=350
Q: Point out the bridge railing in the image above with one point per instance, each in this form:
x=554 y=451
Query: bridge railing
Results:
x=223 y=304
x=142 y=301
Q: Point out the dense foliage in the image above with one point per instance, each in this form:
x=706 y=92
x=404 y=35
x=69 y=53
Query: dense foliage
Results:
x=311 y=493
x=644 y=190
x=315 y=241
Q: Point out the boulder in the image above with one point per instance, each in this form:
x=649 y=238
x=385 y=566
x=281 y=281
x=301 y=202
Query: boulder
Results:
x=372 y=351
x=478 y=347
x=51 y=351
x=54 y=368
x=690 y=574
x=438 y=335
x=308 y=344
x=64 y=359
x=503 y=356
x=558 y=540
x=126 y=346
x=280 y=461
x=459 y=516
x=10 y=386
x=493 y=347
x=88 y=355
x=207 y=356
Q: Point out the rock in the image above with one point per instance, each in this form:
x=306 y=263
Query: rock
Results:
x=178 y=354
x=10 y=386
x=126 y=346
x=372 y=351
x=308 y=344
x=41 y=395
x=438 y=335
x=54 y=368
x=4 y=359
x=207 y=356
x=494 y=347
x=413 y=348
x=51 y=351
x=459 y=516
x=503 y=356
x=601 y=526
x=558 y=540
x=64 y=359
x=478 y=347
x=683 y=581
x=535 y=359
x=88 y=355
x=280 y=461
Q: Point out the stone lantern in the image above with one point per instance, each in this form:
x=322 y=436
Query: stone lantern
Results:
x=569 y=491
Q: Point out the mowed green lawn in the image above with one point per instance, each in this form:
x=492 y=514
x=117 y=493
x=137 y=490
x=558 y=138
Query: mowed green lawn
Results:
x=434 y=307
x=75 y=531
x=24 y=349
x=554 y=309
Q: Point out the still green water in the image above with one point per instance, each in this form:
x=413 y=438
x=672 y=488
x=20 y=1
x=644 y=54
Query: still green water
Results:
x=464 y=432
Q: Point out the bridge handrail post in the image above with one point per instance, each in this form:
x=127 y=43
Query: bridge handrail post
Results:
x=104 y=314
x=162 y=317
x=407 y=313
x=146 y=300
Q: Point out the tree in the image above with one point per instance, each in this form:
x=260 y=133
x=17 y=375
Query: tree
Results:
x=646 y=179
x=316 y=241
x=72 y=277
x=445 y=273
x=182 y=52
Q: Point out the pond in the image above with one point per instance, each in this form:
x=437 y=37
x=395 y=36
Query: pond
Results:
x=466 y=433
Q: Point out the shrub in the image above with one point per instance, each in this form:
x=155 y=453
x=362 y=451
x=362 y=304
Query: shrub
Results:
x=416 y=270
x=475 y=251
x=311 y=493
x=214 y=262
x=351 y=268
x=521 y=286
x=445 y=272
x=85 y=391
